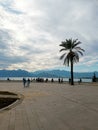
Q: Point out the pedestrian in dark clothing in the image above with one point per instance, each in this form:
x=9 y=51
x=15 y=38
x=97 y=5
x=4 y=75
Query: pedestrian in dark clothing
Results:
x=69 y=80
x=59 y=80
x=52 y=80
x=46 y=80
x=24 y=82
x=62 y=80
x=80 y=81
x=28 y=82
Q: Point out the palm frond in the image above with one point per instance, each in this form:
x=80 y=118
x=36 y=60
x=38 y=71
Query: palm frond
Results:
x=76 y=57
x=63 y=49
x=75 y=43
x=66 y=61
x=79 y=48
x=62 y=56
x=80 y=53
x=63 y=44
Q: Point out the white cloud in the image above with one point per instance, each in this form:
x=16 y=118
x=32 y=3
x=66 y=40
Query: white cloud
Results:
x=36 y=28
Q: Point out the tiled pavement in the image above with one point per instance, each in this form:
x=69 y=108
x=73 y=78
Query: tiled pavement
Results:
x=48 y=106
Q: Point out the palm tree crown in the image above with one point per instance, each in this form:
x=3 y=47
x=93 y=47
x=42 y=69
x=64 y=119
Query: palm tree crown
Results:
x=71 y=53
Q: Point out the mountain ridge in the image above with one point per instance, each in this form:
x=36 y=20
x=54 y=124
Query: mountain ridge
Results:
x=45 y=73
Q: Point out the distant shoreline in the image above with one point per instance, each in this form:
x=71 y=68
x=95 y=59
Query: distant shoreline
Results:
x=32 y=79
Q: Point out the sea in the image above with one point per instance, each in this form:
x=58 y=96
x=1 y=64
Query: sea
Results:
x=86 y=80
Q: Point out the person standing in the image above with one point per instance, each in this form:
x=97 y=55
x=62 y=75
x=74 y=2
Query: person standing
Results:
x=59 y=80
x=28 y=82
x=24 y=82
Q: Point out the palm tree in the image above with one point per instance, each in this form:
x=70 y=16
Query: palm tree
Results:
x=71 y=53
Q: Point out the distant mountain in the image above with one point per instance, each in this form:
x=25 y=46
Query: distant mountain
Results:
x=63 y=74
x=45 y=73
x=52 y=73
x=14 y=73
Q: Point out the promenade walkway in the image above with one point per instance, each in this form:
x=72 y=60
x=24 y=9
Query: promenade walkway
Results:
x=51 y=106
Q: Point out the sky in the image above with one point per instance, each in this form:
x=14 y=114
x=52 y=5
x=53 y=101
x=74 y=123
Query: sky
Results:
x=32 y=30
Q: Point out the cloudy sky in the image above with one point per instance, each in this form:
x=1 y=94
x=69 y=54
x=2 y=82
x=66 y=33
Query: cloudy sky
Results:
x=31 y=31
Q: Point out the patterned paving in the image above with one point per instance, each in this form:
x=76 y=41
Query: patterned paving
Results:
x=48 y=106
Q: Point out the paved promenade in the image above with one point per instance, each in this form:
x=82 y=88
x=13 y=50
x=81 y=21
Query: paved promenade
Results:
x=51 y=106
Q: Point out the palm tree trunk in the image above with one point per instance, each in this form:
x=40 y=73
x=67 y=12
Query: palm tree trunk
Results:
x=72 y=77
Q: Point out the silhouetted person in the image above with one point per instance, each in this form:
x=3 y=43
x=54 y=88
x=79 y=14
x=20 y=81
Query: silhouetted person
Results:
x=94 y=78
x=24 y=82
x=46 y=80
x=80 y=81
x=69 y=80
x=28 y=82
x=62 y=80
x=59 y=80
x=8 y=79
x=52 y=80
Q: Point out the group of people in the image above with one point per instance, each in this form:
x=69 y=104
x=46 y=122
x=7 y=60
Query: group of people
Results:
x=26 y=83
x=60 y=80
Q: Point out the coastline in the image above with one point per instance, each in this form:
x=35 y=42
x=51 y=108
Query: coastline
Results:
x=76 y=83
x=33 y=79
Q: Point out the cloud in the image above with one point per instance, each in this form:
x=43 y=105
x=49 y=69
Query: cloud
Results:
x=8 y=6
x=31 y=31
